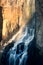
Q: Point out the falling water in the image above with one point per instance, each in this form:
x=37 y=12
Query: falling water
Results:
x=18 y=54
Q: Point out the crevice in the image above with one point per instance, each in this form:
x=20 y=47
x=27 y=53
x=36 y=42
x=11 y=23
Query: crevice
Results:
x=1 y=22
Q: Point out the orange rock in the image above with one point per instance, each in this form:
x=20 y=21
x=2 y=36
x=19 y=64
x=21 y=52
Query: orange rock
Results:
x=15 y=13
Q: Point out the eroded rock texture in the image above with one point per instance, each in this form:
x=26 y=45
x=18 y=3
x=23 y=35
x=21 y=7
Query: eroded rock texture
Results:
x=15 y=14
x=39 y=24
x=31 y=51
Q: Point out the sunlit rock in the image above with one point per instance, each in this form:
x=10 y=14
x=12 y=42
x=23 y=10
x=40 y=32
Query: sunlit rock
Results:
x=16 y=13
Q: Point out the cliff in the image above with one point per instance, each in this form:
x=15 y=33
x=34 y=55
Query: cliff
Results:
x=15 y=14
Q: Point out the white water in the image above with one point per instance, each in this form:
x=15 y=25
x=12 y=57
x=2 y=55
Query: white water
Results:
x=18 y=53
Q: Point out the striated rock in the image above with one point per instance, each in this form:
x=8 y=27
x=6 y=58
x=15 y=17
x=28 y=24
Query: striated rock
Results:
x=35 y=51
x=16 y=13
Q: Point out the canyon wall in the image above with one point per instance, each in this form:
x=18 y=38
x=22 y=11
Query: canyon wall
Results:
x=15 y=13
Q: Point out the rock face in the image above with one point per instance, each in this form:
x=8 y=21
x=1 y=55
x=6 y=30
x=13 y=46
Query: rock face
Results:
x=39 y=23
x=1 y=22
x=33 y=54
x=15 y=14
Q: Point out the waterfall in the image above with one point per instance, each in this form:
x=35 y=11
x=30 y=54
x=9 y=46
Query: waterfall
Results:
x=18 y=52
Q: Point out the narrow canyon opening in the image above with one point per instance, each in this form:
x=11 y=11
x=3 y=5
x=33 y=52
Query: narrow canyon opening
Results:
x=1 y=22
